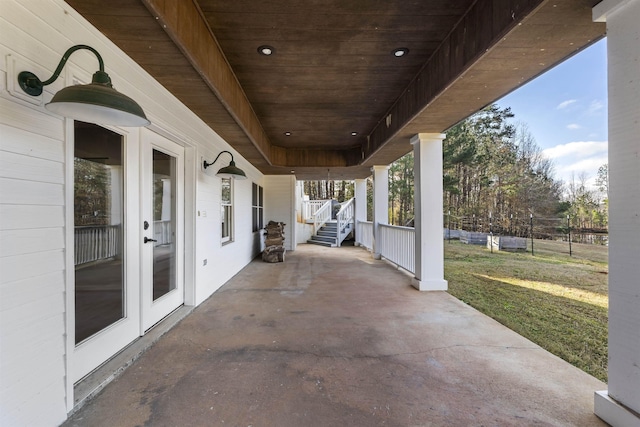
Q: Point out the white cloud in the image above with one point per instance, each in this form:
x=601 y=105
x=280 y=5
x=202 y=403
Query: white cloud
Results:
x=579 y=149
x=565 y=104
x=586 y=165
x=595 y=106
x=574 y=126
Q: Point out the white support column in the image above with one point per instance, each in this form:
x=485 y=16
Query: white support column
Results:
x=620 y=404
x=427 y=176
x=380 y=204
x=361 y=204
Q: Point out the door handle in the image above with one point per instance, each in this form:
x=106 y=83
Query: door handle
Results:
x=147 y=240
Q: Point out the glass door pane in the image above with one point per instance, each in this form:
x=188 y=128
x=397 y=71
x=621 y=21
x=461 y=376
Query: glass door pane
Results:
x=98 y=231
x=164 y=224
x=161 y=193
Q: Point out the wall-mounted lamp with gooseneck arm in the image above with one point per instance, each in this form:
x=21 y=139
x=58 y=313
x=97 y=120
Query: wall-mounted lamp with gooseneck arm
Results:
x=97 y=102
x=231 y=171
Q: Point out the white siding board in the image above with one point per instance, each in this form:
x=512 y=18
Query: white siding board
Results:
x=21 y=192
x=19 y=141
x=16 y=294
x=32 y=363
x=36 y=310
x=16 y=217
x=21 y=267
x=22 y=379
x=29 y=340
x=30 y=119
x=50 y=406
x=29 y=168
x=45 y=361
x=44 y=408
x=20 y=242
x=36 y=35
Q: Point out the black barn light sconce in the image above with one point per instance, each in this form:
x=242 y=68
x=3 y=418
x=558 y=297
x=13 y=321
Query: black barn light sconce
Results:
x=97 y=102
x=231 y=171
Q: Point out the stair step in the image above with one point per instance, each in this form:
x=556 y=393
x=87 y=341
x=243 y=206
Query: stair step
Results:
x=329 y=239
x=327 y=233
x=321 y=243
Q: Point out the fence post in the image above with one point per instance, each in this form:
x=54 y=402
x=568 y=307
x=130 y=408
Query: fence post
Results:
x=449 y=226
x=569 y=230
x=511 y=225
x=531 y=220
x=491 y=231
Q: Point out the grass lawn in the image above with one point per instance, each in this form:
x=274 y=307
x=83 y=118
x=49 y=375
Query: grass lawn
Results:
x=558 y=302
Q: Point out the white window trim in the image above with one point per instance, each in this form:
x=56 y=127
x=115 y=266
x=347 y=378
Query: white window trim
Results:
x=229 y=238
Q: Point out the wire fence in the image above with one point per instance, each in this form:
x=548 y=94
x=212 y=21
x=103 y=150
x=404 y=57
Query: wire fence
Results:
x=527 y=227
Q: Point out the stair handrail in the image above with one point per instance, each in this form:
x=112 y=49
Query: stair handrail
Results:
x=321 y=216
x=346 y=220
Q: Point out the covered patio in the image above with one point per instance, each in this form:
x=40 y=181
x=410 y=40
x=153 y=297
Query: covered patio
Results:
x=334 y=337
x=287 y=91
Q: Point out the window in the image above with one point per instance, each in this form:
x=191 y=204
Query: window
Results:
x=257 y=208
x=227 y=210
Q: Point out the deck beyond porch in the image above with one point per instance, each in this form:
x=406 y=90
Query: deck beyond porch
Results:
x=333 y=337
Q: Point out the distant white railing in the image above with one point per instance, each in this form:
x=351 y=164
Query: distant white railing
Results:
x=162 y=232
x=310 y=207
x=96 y=242
x=397 y=244
x=364 y=234
x=345 y=218
x=321 y=216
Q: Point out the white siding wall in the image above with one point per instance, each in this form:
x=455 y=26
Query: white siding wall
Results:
x=304 y=231
x=34 y=352
x=32 y=263
x=222 y=261
x=279 y=205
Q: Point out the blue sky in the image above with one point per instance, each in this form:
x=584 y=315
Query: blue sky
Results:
x=565 y=110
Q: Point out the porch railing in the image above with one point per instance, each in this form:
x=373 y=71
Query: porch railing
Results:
x=310 y=207
x=364 y=234
x=162 y=232
x=96 y=242
x=397 y=244
x=345 y=219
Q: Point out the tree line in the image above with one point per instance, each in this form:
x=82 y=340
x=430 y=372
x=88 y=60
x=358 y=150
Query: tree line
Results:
x=495 y=173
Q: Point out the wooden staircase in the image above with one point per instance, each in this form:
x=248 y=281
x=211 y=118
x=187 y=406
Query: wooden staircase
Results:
x=332 y=232
x=327 y=235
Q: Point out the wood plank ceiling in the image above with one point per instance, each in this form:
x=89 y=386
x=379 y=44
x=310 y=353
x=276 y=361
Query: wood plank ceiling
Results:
x=333 y=98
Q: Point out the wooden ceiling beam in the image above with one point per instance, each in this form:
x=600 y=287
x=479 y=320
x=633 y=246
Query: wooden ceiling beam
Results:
x=185 y=25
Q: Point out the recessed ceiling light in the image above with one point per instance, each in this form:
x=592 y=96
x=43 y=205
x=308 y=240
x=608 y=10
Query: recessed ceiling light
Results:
x=401 y=51
x=266 y=50
x=287 y=133
x=354 y=133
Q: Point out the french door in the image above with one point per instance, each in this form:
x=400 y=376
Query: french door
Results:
x=128 y=234
x=162 y=228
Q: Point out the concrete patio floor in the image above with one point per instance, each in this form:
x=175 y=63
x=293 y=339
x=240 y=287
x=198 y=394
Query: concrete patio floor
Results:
x=332 y=337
